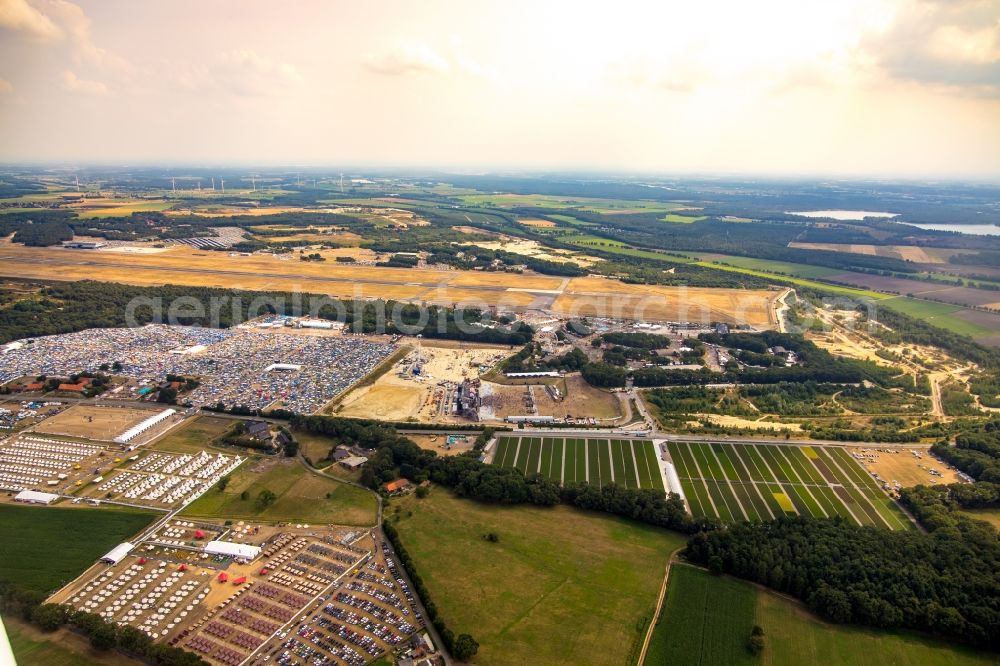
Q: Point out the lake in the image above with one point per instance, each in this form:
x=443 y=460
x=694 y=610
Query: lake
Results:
x=841 y=214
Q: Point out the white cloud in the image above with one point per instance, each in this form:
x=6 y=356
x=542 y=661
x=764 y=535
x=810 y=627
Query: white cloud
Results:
x=19 y=16
x=408 y=59
x=946 y=43
x=76 y=24
x=74 y=84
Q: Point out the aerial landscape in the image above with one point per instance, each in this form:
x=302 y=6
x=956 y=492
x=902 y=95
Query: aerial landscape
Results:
x=479 y=333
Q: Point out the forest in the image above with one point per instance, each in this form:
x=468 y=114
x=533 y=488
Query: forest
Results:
x=65 y=307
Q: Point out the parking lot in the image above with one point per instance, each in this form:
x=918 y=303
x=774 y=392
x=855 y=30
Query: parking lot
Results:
x=362 y=618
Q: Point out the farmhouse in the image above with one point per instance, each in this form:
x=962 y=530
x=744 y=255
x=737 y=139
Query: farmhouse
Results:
x=397 y=487
x=353 y=462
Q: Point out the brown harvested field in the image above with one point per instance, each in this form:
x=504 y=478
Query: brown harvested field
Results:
x=592 y=296
x=472 y=297
x=919 y=255
x=537 y=223
x=932 y=290
x=900 y=464
x=94 y=422
x=183 y=265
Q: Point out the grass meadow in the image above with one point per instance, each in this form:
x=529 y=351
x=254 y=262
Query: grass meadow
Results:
x=560 y=586
x=707 y=619
x=303 y=497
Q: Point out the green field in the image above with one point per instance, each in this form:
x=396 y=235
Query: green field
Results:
x=560 y=586
x=588 y=204
x=736 y=482
x=706 y=621
x=302 y=496
x=193 y=436
x=631 y=463
x=803 y=282
x=682 y=219
x=938 y=314
x=786 y=267
x=702 y=620
x=41 y=547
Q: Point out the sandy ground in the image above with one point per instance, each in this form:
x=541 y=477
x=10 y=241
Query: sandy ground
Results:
x=578 y=399
x=92 y=422
x=399 y=395
x=903 y=466
x=737 y=422
x=532 y=248
x=438 y=443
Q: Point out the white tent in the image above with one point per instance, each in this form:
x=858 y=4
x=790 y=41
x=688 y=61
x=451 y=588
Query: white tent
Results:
x=118 y=553
x=230 y=549
x=145 y=425
x=35 y=497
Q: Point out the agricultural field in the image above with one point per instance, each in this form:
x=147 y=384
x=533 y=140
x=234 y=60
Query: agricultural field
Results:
x=301 y=496
x=587 y=204
x=735 y=482
x=916 y=254
x=630 y=463
x=30 y=536
x=704 y=620
x=707 y=619
x=682 y=219
x=558 y=586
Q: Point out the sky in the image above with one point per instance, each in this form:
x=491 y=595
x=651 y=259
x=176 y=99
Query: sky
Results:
x=799 y=87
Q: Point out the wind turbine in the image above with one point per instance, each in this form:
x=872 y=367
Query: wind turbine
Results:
x=254 y=183
x=223 y=185
x=341 y=183
x=77 y=182
x=173 y=185
x=213 y=183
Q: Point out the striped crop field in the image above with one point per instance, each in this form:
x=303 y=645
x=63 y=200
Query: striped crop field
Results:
x=631 y=463
x=736 y=481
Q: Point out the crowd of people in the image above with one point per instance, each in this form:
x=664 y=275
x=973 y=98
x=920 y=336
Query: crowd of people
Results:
x=233 y=366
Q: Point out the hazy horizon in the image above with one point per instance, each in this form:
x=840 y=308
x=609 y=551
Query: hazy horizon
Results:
x=897 y=89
